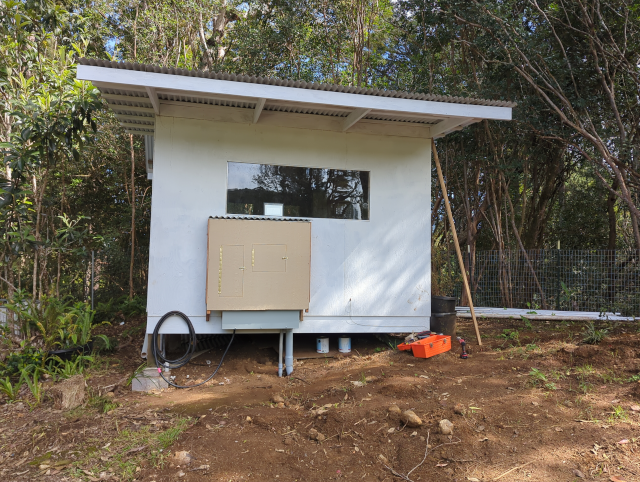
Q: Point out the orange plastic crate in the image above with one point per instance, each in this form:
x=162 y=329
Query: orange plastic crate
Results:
x=433 y=345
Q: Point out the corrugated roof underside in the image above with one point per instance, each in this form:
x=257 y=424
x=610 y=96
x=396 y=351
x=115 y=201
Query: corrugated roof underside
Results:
x=192 y=99
x=140 y=100
x=300 y=84
x=259 y=218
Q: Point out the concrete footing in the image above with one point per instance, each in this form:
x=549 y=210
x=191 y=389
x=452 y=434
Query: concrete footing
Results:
x=149 y=379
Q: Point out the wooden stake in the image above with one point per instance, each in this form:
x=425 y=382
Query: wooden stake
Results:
x=443 y=187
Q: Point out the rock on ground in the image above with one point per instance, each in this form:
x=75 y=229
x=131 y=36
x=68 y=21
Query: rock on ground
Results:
x=69 y=393
x=315 y=435
x=446 y=427
x=409 y=418
x=182 y=457
x=395 y=409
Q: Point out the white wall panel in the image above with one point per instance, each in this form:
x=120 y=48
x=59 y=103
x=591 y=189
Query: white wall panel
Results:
x=365 y=275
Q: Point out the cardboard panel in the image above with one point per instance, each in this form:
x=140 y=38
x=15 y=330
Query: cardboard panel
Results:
x=272 y=275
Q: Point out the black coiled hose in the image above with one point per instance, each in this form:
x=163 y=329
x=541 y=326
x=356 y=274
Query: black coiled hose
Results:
x=184 y=359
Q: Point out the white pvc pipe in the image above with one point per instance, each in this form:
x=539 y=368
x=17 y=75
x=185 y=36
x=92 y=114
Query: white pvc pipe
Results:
x=288 y=357
x=280 y=355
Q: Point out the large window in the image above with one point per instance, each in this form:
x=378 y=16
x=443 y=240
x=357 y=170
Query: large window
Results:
x=262 y=189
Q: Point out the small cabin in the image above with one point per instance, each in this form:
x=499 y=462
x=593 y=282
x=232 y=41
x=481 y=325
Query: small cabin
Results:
x=283 y=204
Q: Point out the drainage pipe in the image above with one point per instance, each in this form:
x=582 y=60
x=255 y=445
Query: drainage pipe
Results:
x=280 y=355
x=288 y=357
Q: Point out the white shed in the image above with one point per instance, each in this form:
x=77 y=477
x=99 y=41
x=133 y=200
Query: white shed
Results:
x=354 y=162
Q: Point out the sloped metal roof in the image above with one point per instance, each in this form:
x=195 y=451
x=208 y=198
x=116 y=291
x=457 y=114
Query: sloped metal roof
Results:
x=300 y=84
x=260 y=218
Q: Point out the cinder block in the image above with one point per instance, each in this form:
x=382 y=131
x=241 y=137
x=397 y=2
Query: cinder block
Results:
x=149 y=379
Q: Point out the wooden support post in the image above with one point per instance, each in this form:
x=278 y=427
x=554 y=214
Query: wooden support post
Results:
x=443 y=187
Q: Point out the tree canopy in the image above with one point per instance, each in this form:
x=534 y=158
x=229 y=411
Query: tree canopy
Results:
x=566 y=169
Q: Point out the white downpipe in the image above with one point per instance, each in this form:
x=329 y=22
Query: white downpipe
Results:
x=288 y=357
x=280 y=355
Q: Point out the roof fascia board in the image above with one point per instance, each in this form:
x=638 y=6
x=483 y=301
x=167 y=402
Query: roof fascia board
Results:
x=273 y=92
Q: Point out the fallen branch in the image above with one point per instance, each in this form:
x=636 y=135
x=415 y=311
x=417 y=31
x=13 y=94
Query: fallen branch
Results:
x=515 y=468
x=426 y=453
x=301 y=379
x=134 y=450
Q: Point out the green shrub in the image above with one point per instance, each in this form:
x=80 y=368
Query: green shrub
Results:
x=29 y=359
x=592 y=336
x=62 y=369
x=10 y=390
x=33 y=382
x=110 y=309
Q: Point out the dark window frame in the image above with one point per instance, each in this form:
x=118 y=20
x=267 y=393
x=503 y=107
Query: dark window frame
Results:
x=306 y=192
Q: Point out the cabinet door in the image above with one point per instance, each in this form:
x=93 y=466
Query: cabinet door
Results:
x=231 y=270
x=269 y=258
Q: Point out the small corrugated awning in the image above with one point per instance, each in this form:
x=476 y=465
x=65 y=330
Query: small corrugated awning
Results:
x=137 y=93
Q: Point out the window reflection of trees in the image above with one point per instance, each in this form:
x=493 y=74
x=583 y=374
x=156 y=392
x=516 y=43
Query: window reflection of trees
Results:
x=308 y=192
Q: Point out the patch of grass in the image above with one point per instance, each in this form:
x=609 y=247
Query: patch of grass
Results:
x=117 y=459
x=527 y=322
x=585 y=386
x=510 y=334
x=557 y=375
x=610 y=376
x=585 y=370
x=537 y=377
x=103 y=404
x=618 y=415
x=593 y=336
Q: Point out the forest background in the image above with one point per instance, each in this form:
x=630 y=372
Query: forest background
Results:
x=565 y=170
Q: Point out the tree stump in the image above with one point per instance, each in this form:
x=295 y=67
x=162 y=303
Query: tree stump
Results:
x=68 y=394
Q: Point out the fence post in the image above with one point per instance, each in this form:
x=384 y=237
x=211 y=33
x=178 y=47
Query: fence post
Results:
x=558 y=277
x=470 y=275
x=92 y=275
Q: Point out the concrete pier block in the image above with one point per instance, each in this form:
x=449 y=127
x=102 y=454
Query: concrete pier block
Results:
x=149 y=379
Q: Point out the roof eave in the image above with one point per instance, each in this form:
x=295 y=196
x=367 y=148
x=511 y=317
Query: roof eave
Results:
x=158 y=82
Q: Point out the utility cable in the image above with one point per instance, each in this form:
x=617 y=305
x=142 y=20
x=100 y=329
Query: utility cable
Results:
x=160 y=359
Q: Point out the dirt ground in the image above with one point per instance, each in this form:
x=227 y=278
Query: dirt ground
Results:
x=531 y=404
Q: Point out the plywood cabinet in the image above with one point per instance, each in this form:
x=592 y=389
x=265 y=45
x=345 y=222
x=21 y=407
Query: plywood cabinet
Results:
x=255 y=264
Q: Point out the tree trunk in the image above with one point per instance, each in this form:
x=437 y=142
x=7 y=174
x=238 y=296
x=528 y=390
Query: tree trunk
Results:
x=58 y=275
x=611 y=203
x=39 y=193
x=133 y=216
x=524 y=251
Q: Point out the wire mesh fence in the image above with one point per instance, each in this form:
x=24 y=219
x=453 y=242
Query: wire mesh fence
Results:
x=557 y=279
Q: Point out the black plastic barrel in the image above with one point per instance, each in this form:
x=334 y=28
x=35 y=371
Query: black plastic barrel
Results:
x=443 y=304
x=444 y=323
x=443 y=315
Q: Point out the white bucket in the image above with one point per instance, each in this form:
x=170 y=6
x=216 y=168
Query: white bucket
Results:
x=322 y=344
x=344 y=345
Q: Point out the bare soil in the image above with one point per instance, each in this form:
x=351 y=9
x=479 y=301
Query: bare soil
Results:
x=532 y=403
